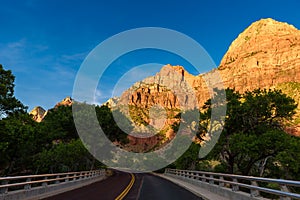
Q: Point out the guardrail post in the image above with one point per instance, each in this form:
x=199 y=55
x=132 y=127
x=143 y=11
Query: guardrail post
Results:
x=5 y=189
x=27 y=186
x=221 y=184
x=74 y=176
x=67 y=178
x=253 y=192
x=203 y=178
x=284 y=188
x=211 y=181
x=57 y=181
x=234 y=186
x=45 y=184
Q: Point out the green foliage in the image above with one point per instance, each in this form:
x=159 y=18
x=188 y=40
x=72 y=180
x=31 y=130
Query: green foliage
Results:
x=109 y=126
x=189 y=159
x=8 y=103
x=19 y=142
x=64 y=157
x=292 y=89
x=138 y=115
x=59 y=124
x=253 y=139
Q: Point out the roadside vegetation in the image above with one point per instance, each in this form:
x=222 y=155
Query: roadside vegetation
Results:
x=253 y=141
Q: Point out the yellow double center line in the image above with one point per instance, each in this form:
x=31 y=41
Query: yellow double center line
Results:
x=129 y=186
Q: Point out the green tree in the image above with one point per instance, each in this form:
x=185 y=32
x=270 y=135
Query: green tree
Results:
x=189 y=160
x=20 y=141
x=65 y=157
x=59 y=124
x=253 y=130
x=112 y=130
x=8 y=102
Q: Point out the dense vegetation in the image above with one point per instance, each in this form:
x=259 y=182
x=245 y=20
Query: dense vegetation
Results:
x=28 y=147
x=252 y=142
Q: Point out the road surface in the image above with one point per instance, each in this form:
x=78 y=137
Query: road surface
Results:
x=145 y=187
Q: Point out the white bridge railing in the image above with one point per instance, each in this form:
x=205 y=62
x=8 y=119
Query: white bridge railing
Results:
x=33 y=185
x=237 y=182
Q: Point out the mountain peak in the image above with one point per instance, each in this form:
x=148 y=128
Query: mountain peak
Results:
x=68 y=101
x=262 y=40
x=38 y=113
x=269 y=26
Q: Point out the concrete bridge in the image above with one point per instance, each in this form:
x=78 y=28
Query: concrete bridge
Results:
x=173 y=184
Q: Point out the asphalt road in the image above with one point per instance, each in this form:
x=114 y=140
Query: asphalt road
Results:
x=145 y=187
x=107 y=189
x=151 y=187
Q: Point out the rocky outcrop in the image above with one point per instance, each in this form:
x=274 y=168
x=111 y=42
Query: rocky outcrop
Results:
x=38 y=114
x=68 y=101
x=265 y=55
x=171 y=88
x=112 y=102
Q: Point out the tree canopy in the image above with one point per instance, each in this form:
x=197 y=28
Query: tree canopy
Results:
x=253 y=134
x=8 y=102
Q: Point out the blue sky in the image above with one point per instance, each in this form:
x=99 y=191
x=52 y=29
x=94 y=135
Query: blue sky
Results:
x=44 y=42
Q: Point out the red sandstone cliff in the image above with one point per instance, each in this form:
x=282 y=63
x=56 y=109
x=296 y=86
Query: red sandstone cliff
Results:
x=264 y=55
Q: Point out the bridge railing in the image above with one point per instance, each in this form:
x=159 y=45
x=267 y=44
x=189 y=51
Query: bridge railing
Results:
x=23 y=184
x=236 y=182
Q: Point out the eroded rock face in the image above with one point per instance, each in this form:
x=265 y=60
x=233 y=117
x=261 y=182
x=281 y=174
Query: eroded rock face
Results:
x=38 y=114
x=170 y=88
x=267 y=53
x=264 y=55
x=68 y=101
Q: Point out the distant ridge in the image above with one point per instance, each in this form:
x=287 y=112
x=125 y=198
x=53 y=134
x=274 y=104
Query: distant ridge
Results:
x=39 y=113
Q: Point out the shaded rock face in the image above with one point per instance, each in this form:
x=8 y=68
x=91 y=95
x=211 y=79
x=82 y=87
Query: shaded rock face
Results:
x=38 y=114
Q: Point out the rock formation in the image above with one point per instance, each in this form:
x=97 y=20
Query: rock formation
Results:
x=68 y=101
x=38 y=114
x=265 y=55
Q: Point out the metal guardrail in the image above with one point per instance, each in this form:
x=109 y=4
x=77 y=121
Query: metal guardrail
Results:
x=238 y=181
x=25 y=183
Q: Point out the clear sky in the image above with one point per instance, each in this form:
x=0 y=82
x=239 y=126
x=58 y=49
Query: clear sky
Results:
x=44 y=42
